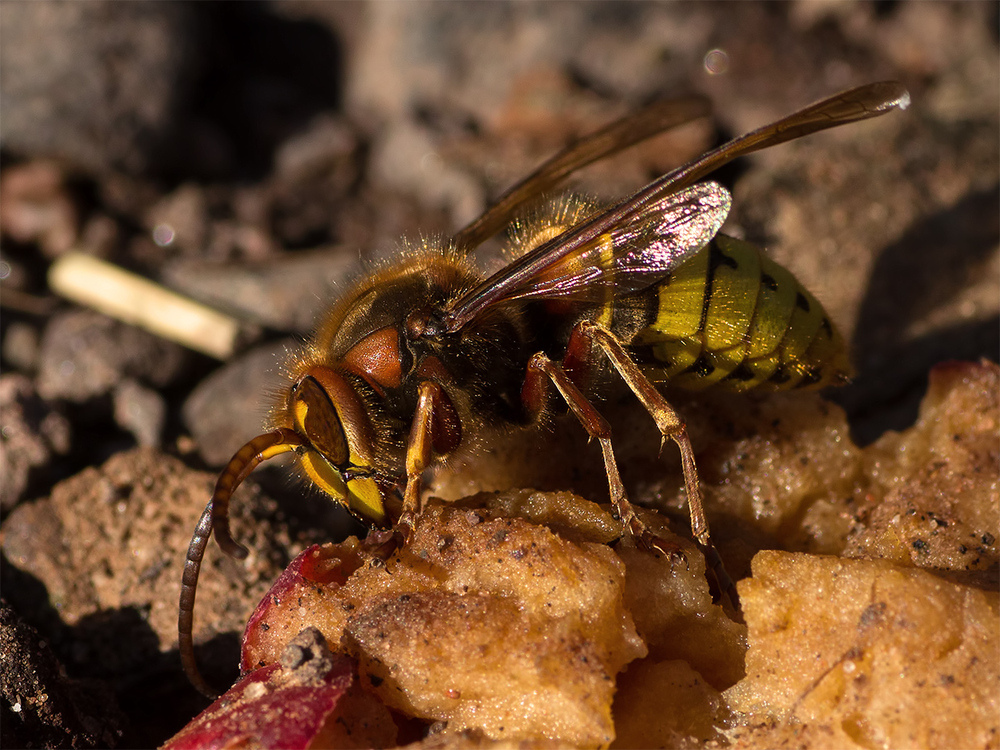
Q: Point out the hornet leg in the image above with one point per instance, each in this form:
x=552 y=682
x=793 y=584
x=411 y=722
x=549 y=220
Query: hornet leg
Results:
x=671 y=427
x=435 y=429
x=540 y=368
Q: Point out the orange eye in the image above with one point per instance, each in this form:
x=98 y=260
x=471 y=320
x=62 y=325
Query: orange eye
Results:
x=317 y=420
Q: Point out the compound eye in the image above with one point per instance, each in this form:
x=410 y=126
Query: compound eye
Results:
x=317 y=420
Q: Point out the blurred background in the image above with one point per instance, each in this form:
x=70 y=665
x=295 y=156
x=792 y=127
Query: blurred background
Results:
x=258 y=156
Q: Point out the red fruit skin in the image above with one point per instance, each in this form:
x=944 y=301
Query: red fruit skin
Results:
x=317 y=567
x=261 y=711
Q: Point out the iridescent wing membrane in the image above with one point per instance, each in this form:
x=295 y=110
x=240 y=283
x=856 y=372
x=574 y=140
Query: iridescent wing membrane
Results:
x=585 y=242
x=633 y=255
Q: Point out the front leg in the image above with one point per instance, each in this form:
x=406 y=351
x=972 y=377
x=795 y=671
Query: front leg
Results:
x=418 y=453
x=435 y=429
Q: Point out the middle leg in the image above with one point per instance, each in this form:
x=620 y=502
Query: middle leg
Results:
x=541 y=371
x=671 y=427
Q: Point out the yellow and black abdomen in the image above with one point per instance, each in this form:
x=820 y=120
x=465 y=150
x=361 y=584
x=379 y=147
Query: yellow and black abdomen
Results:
x=731 y=317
